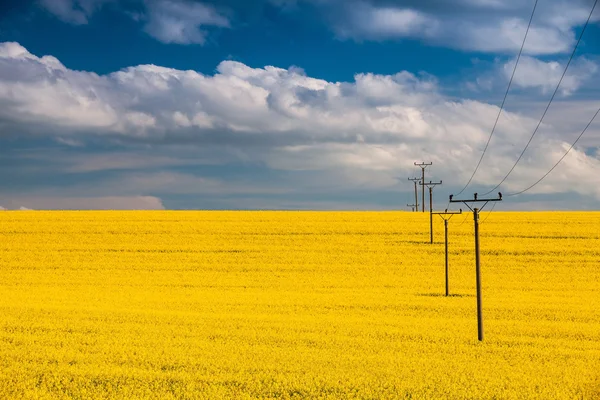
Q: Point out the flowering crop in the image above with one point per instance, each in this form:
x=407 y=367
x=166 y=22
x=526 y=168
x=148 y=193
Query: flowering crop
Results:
x=213 y=305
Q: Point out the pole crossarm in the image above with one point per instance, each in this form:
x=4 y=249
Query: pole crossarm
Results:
x=431 y=184
x=442 y=214
x=475 y=199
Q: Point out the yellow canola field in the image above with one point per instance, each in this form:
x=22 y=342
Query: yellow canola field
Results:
x=211 y=305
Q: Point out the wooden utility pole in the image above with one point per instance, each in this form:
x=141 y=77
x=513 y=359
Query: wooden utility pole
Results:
x=431 y=185
x=413 y=206
x=423 y=165
x=415 y=180
x=476 y=212
x=446 y=216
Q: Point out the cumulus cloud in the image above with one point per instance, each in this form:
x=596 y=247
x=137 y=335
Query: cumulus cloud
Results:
x=340 y=135
x=70 y=98
x=479 y=25
x=181 y=21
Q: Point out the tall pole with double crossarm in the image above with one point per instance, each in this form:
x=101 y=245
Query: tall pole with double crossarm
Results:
x=476 y=212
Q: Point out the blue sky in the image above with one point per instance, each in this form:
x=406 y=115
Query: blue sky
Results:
x=291 y=104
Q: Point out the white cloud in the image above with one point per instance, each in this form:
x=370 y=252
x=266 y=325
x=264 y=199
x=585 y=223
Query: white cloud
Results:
x=535 y=73
x=85 y=203
x=339 y=135
x=42 y=90
x=181 y=21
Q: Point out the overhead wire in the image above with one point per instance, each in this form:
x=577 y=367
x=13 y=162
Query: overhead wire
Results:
x=503 y=100
x=464 y=220
x=549 y=103
x=488 y=214
x=560 y=160
x=447 y=205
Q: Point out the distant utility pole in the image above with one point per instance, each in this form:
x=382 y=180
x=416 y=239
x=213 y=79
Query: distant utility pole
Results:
x=413 y=206
x=423 y=165
x=431 y=185
x=477 y=265
x=415 y=180
x=446 y=216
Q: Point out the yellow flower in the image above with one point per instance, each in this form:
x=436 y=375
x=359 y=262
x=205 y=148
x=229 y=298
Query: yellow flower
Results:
x=323 y=305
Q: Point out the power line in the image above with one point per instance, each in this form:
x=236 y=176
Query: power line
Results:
x=464 y=220
x=562 y=158
x=488 y=214
x=549 y=103
x=503 y=100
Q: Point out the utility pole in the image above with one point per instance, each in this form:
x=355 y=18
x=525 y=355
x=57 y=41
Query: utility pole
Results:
x=431 y=185
x=423 y=165
x=446 y=216
x=415 y=180
x=476 y=212
x=413 y=206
